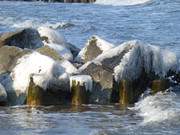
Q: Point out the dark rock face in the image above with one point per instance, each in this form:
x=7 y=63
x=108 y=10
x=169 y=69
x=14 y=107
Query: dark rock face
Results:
x=74 y=50
x=26 y=38
x=13 y=97
x=103 y=83
x=3 y=95
x=9 y=56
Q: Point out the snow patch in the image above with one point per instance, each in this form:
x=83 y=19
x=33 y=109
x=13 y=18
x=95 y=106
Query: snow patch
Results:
x=40 y=67
x=83 y=80
x=69 y=68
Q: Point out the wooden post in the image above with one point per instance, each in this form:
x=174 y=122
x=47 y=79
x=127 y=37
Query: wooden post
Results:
x=159 y=85
x=79 y=90
x=35 y=94
x=125 y=92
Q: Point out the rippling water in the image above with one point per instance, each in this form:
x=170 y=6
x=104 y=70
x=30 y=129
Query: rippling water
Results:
x=155 y=22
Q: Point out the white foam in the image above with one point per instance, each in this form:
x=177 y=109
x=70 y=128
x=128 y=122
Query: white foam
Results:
x=158 y=108
x=82 y=80
x=41 y=67
x=121 y=2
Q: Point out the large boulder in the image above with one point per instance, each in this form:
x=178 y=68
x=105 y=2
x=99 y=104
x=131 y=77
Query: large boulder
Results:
x=26 y=38
x=9 y=56
x=3 y=95
x=94 y=47
x=133 y=64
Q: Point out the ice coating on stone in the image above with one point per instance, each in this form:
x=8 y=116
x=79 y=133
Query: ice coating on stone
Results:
x=147 y=57
x=83 y=80
x=40 y=67
x=56 y=41
x=136 y=57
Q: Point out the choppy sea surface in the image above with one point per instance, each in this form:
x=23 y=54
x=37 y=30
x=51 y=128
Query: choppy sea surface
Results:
x=152 y=21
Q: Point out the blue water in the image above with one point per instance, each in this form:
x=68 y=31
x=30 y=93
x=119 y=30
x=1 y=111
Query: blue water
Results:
x=155 y=22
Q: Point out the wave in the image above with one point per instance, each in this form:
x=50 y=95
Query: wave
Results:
x=121 y=2
x=32 y=23
x=159 y=107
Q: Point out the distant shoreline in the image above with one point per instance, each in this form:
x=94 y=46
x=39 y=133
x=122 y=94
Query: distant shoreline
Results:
x=62 y=1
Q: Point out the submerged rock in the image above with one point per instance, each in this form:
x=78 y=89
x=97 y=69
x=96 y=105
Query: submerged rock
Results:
x=3 y=95
x=94 y=47
x=26 y=38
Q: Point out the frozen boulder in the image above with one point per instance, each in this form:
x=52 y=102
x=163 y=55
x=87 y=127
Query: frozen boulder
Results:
x=133 y=64
x=45 y=72
x=3 y=95
x=56 y=41
x=8 y=57
x=94 y=47
x=26 y=38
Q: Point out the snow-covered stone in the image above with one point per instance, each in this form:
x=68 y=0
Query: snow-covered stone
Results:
x=41 y=67
x=26 y=38
x=51 y=36
x=55 y=40
x=94 y=47
x=134 y=61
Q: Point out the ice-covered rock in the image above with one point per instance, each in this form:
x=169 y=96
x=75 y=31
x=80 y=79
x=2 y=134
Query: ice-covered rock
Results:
x=8 y=57
x=94 y=47
x=55 y=40
x=51 y=36
x=3 y=95
x=134 y=63
x=26 y=38
x=46 y=73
